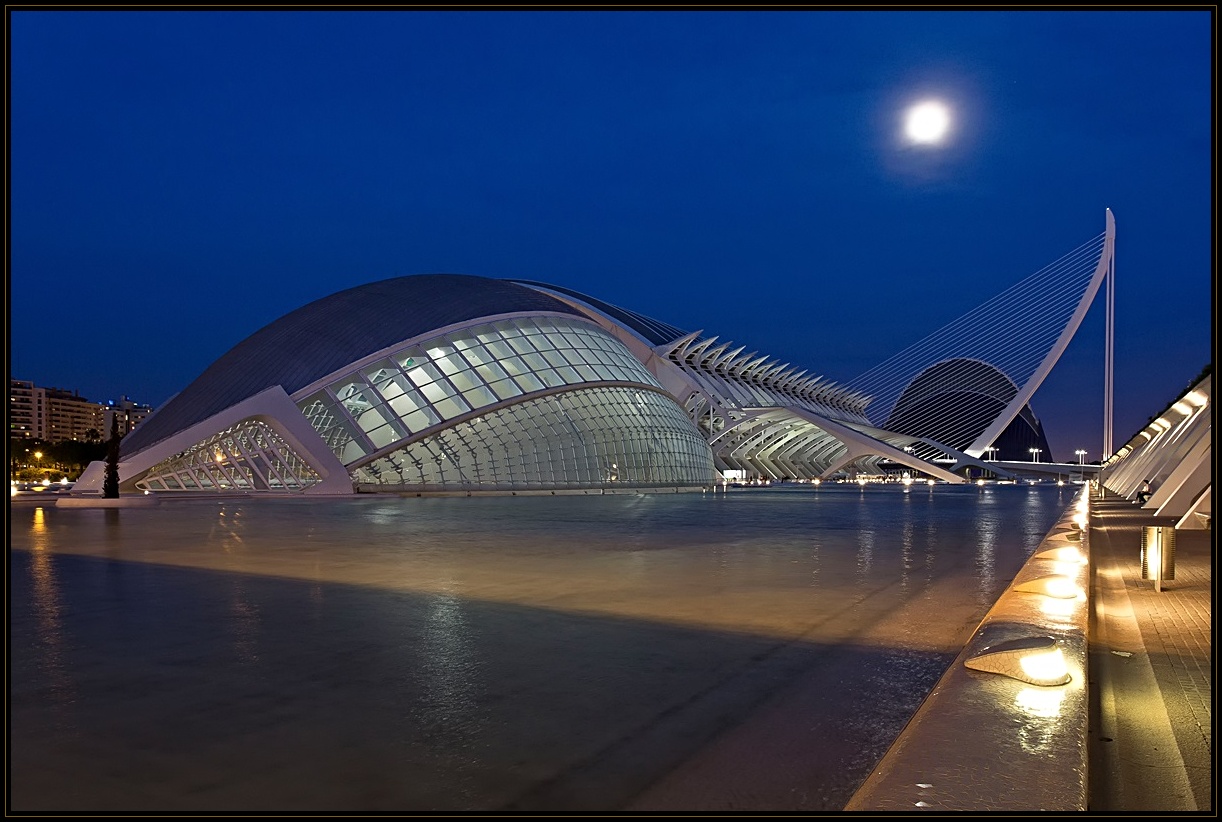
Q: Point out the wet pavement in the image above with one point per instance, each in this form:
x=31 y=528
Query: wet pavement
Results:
x=1152 y=669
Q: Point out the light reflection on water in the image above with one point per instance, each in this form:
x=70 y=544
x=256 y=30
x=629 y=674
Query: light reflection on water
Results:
x=469 y=649
x=48 y=607
x=787 y=539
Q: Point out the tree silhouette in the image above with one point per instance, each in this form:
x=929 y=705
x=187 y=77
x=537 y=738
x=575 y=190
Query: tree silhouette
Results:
x=110 y=486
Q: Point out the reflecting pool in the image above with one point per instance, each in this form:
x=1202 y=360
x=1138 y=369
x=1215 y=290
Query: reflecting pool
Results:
x=752 y=650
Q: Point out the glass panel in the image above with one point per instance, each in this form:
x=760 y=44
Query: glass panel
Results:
x=379 y=372
x=505 y=389
x=384 y=436
x=529 y=382
x=450 y=363
x=536 y=361
x=508 y=328
x=491 y=372
x=550 y=378
x=500 y=349
x=407 y=403
x=465 y=380
x=351 y=393
x=514 y=366
x=437 y=391
x=420 y=420
x=555 y=358
x=410 y=358
x=522 y=345
x=423 y=373
x=374 y=418
x=395 y=385
x=542 y=342
x=451 y=407
x=479 y=397
x=476 y=355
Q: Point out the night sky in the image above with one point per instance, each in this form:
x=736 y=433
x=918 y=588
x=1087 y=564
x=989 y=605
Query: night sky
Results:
x=180 y=179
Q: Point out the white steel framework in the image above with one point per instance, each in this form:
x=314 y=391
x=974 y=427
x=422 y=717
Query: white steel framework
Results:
x=1021 y=333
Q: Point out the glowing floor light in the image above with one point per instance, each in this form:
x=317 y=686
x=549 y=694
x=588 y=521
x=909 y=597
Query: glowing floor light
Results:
x=1066 y=553
x=1052 y=586
x=1034 y=660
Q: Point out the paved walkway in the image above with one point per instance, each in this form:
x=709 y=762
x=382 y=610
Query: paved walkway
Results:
x=1152 y=664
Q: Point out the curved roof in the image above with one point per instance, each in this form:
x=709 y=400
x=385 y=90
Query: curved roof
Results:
x=655 y=331
x=327 y=334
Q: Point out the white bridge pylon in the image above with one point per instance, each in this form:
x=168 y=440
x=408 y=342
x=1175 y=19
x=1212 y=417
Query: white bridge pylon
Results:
x=1021 y=333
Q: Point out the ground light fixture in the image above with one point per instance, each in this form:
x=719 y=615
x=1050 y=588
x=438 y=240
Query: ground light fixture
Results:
x=1059 y=587
x=1034 y=660
x=1066 y=553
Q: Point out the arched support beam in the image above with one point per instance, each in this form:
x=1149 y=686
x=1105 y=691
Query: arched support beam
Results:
x=1024 y=394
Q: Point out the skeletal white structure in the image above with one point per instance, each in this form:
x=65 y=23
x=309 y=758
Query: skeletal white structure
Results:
x=763 y=417
x=935 y=407
x=1174 y=451
x=967 y=382
x=455 y=383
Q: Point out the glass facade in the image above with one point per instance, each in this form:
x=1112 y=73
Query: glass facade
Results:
x=426 y=384
x=585 y=438
x=250 y=456
x=532 y=402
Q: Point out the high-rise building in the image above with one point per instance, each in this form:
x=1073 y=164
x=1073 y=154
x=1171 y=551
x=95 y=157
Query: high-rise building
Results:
x=23 y=409
x=128 y=412
x=56 y=414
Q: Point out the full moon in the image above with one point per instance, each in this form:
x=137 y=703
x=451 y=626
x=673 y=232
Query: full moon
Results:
x=927 y=123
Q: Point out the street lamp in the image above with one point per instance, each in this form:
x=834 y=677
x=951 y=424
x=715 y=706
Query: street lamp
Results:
x=1035 y=454
x=992 y=449
x=1081 y=456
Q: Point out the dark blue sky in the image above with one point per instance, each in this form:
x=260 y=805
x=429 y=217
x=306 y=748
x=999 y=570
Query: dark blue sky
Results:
x=180 y=179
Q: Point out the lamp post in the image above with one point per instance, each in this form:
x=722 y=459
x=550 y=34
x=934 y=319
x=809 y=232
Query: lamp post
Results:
x=992 y=449
x=1035 y=454
x=1081 y=456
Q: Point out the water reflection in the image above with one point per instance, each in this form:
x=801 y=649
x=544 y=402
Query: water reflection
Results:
x=481 y=645
x=1041 y=711
x=452 y=676
x=244 y=621
x=228 y=528
x=906 y=543
x=866 y=513
x=986 y=546
x=48 y=613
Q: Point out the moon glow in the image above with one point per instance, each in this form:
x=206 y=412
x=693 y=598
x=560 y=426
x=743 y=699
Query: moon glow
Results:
x=927 y=123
